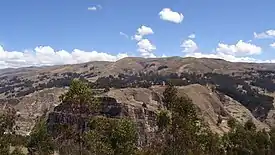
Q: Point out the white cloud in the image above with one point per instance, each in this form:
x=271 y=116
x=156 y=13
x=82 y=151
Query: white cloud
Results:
x=146 y=48
x=124 y=34
x=168 y=15
x=189 y=46
x=240 y=49
x=241 y=52
x=142 y=31
x=230 y=58
x=95 y=8
x=265 y=35
x=192 y=36
x=272 y=45
x=221 y=56
x=137 y=37
x=146 y=44
x=45 y=55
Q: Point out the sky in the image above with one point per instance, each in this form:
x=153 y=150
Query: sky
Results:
x=53 y=32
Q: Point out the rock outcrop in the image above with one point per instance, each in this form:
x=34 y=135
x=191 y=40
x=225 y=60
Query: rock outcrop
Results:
x=142 y=105
x=143 y=118
x=29 y=108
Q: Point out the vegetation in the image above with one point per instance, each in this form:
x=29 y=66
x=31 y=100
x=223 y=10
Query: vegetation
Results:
x=186 y=134
x=90 y=133
x=180 y=130
x=233 y=86
x=239 y=88
x=112 y=136
x=7 y=132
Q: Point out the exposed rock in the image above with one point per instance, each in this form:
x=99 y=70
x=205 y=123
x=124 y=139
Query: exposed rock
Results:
x=129 y=103
x=33 y=106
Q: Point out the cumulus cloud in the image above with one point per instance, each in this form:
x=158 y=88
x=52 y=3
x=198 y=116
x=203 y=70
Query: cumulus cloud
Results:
x=241 y=48
x=192 y=36
x=142 y=31
x=221 y=56
x=240 y=52
x=146 y=48
x=229 y=57
x=137 y=37
x=265 y=35
x=168 y=15
x=45 y=55
x=189 y=46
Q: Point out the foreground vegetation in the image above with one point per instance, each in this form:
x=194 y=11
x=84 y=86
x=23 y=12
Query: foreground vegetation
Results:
x=180 y=131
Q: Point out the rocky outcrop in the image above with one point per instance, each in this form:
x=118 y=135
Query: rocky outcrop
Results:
x=29 y=108
x=144 y=119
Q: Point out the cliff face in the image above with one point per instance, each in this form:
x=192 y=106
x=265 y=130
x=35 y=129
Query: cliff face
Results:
x=29 y=108
x=143 y=118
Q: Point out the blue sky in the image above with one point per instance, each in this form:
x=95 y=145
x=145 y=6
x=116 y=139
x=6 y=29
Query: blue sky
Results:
x=34 y=32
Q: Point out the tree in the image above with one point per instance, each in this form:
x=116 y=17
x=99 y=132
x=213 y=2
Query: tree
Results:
x=185 y=128
x=263 y=143
x=163 y=119
x=238 y=142
x=40 y=141
x=96 y=143
x=81 y=102
x=124 y=137
x=111 y=136
x=7 y=128
x=187 y=133
x=80 y=97
x=272 y=140
x=169 y=96
x=245 y=140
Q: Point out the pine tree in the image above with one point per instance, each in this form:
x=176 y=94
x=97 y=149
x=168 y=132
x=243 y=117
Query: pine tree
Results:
x=111 y=136
x=169 y=96
x=187 y=133
x=82 y=103
x=7 y=129
x=40 y=141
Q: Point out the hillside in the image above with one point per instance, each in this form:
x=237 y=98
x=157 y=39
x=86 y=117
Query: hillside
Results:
x=217 y=87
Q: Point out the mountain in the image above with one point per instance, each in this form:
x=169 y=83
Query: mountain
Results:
x=133 y=87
